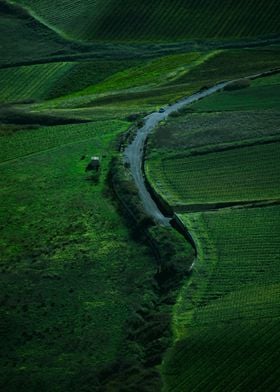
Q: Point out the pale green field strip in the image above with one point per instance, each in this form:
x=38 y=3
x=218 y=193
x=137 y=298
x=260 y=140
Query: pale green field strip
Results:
x=141 y=78
x=240 y=174
x=30 y=82
x=29 y=142
x=230 y=323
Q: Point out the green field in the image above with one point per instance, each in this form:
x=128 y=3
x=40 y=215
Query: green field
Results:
x=233 y=64
x=156 y=82
x=233 y=175
x=226 y=318
x=91 y=298
x=51 y=80
x=262 y=94
x=68 y=261
x=154 y=73
x=160 y=20
x=256 y=97
x=23 y=38
x=135 y=82
x=30 y=82
x=198 y=130
x=227 y=315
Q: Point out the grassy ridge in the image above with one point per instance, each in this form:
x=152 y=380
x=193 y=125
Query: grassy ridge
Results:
x=160 y=20
x=234 y=313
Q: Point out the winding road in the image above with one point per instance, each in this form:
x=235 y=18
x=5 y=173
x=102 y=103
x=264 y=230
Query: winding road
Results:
x=134 y=152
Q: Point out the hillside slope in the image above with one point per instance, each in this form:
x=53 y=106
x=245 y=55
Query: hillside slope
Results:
x=23 y=38
x=159 y=20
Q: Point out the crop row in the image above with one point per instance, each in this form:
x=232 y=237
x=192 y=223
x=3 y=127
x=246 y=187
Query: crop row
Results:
x=257 y=97
x=246 y=256
x=235 y=356
x=30 y=82
x=232 y=322
x=33 y=141
x=122 y=20
x=248 y=173
x=153 y=73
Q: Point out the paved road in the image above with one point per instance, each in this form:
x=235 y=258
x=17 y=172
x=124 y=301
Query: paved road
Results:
x=133 y=154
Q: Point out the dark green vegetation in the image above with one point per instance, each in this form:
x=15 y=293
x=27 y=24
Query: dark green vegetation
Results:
x=67 y=266
x=92 y=290
x=160 y=20
x=24 y=38
x=226 y=318
x=84 y=304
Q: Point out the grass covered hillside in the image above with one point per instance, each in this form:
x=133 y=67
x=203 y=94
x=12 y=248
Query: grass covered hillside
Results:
x=24 y=38
x=222 y=181
x=220 y=138
x=71 y=275
x=159 y=20
x=96 y=296
x=227 y=317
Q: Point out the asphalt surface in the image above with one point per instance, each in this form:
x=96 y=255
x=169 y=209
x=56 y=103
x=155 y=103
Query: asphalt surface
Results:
x=134 y=153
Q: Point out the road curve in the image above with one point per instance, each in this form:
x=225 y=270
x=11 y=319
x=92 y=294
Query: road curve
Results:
x=134 y=152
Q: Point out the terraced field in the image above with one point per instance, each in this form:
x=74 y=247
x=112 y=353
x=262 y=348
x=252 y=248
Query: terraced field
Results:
x=168 y=78
x=154 y=73
x=25 y=39
x=233 y=64
x=215 y=161
x=256 y=97
x=227 y=317
x=50 y=80
x=160 y=20
x=233 y=175
x=200 y=131
x=49 y=138
x=30 y=82
x=86 y=304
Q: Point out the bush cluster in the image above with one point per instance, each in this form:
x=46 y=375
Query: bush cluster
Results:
x=149 y=328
